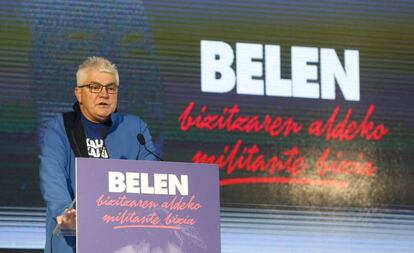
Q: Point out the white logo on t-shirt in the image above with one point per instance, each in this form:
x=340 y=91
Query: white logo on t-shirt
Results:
x=96 y=148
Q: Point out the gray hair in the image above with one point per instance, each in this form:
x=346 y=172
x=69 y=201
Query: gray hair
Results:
x=98 y=63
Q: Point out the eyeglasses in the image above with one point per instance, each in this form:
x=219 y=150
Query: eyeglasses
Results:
x=94 y=87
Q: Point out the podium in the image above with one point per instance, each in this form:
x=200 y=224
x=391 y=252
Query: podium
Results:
x=126 y=206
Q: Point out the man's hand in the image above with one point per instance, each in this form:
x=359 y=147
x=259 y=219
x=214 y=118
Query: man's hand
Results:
x=67 y=220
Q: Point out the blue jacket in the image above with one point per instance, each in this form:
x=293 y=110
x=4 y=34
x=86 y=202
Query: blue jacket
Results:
x=57 y=165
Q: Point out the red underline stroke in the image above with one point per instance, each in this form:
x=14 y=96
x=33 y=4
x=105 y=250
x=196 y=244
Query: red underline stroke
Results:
x=146 y=226
x=283 y=180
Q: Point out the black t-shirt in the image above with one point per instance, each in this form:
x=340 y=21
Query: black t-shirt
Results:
x=94 y=141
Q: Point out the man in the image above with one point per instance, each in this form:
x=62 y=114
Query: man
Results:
x=93 y=129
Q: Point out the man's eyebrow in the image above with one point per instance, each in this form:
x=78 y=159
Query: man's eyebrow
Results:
x=93 y=82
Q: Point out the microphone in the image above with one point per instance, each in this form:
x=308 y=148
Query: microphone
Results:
x=141 y=140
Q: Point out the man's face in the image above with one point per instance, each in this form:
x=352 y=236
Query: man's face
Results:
x=97 y=107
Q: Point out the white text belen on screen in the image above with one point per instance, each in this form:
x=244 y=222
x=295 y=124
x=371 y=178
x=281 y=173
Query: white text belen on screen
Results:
x=258 y=71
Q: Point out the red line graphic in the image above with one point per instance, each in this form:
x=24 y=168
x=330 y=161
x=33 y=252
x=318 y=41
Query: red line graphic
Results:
x=146 y=226
x=283 y=180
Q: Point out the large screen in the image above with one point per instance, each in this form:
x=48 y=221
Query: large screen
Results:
x=300 y=103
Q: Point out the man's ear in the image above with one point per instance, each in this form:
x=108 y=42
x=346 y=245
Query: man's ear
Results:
x=78 y=95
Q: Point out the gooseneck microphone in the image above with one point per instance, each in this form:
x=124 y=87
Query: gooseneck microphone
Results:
x=141 y=140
